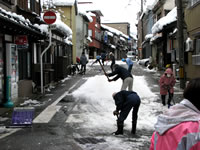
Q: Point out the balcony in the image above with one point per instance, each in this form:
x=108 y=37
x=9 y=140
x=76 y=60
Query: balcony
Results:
x=196 y=59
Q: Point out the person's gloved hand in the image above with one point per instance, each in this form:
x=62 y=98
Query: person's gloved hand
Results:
x=115 y=113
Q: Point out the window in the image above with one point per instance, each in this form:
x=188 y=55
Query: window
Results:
x=29 y=4
x=197 y=47
x=90 y=32
x=193 y=2
x=196 y=56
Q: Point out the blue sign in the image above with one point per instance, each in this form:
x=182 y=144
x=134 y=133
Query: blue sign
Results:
x=22 y=116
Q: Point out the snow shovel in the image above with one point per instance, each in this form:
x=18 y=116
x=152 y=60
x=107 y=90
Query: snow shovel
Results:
x=103 y=68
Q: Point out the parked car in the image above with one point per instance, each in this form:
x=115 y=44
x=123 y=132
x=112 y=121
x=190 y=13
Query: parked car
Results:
x=144 y=62
x=130 y=54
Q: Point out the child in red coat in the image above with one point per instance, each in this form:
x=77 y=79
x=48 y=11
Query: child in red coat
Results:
x=167 y=82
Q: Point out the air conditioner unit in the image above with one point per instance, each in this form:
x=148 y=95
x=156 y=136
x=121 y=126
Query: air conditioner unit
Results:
x=189 y=45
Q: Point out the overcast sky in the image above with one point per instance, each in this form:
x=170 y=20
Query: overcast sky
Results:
x=120 y=10
x=116 y=10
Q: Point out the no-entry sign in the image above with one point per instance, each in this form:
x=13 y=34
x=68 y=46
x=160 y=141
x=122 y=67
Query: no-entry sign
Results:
x=49 y=17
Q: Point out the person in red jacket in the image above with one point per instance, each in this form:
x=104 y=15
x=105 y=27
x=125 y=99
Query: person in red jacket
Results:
x=167 y=82
x=179 y=127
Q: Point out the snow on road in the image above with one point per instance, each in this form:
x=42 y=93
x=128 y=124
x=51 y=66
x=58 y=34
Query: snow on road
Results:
x=96 y=107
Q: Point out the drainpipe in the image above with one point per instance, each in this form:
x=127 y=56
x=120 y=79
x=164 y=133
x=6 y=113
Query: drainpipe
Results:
x=41 y=62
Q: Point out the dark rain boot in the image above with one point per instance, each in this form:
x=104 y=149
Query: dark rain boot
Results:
x=134 y=124
x=119 y=129
x=163 y=99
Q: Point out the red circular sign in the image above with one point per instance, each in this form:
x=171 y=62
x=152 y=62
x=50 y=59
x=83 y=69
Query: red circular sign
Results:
x=49 y=17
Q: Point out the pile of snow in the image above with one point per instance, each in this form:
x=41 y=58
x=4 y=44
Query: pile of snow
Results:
x=169 y=18
x=31 y=102
x=98 y=91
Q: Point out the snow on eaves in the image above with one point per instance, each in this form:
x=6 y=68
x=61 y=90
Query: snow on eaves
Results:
x=63 y=2
x=148 y=36
x=169 y=18
x=150 y=5
x=115 y=31
x=109 y=33
x=61 y=26
x=86 y=14
x=17 y=19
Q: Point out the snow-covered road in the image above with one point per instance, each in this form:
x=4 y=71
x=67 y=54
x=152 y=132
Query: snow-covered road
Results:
x=94 y=115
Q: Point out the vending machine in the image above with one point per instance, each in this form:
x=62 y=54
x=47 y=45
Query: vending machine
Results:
x=12 y=74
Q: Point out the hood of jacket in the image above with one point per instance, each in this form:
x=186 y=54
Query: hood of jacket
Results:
x=184 y=111
x=168 y=71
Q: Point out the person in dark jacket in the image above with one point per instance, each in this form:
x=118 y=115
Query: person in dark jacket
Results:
x=83 y=61
x=103 y=57
x=125 y=101
x=112 y=58
x=122 y=73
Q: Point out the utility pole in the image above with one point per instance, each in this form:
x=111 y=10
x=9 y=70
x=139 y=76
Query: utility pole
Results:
x=142 y=33
x=180 y=38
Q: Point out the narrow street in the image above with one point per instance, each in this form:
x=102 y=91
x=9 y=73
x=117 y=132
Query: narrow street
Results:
x=81 y=108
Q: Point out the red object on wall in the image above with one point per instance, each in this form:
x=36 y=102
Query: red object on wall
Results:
x=21 y=40
x=49 y=17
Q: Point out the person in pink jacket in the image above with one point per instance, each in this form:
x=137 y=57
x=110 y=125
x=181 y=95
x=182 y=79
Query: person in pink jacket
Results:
x=167 y=82
x=179 y=127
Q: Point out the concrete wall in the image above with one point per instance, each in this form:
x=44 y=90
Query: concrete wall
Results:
x=192 y=71
x=193 y=26
x=70 y=20
x=80 y=35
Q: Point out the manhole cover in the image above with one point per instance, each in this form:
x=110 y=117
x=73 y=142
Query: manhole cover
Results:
x=89 y=140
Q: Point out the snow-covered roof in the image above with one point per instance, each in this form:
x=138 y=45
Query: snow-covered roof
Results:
x=169 y=18
x=149 y=5
x=63 y=2
x=19 y=19
x=121 y=38
x=111 y=29
x=87 y=14
x=109 y=33
x=154 y=38
x=148 y=36
x=112 y=46
x=59 y=25
x=89 y=39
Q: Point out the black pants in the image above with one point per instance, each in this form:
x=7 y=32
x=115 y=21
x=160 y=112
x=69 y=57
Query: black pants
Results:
x=111 y=66
x=169 y=98
x=83 y=69
x=132 y=101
